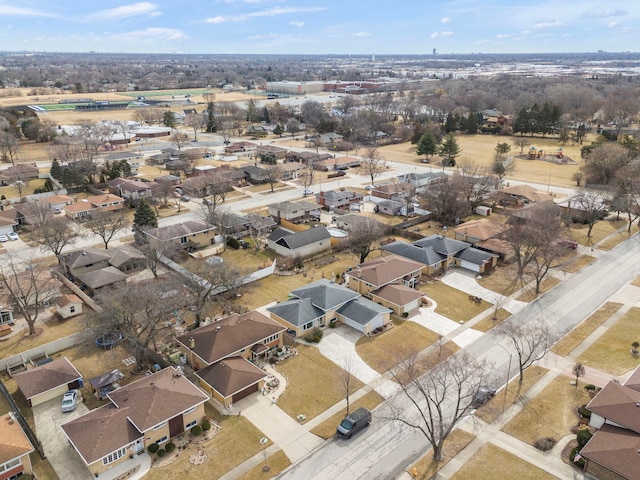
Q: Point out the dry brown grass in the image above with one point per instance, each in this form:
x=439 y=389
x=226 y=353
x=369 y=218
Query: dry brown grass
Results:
x=611 y=352
x=306 y=373
x=500 y=280
x=614 y=239
x=327 y=429
x=426 y=467
x=489 y=322
x=636 y=282
x=600 y=231
x=276 y=463
x=43 y=468
x=386 y=350
x=586 y=328
x=452 y=303
x=529 y=295
x=491 y=410
x=578 y=263
x=52 y=330
x=237 y=441
x=493 y=462
x=551 y=413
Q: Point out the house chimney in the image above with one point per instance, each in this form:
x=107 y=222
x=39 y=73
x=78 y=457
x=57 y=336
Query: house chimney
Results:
x=192 y=343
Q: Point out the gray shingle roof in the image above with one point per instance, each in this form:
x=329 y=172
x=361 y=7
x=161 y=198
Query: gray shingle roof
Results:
x=442 y=245
x=362 y=310
x=325 y=295
x=293 y=240
x=87 y=256
x=297 y=312
x=292 y=207
x=475 y=256
x=423 y=255
x=180 y=229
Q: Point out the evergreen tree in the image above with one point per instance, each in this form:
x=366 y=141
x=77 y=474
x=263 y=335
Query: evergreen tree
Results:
x=143 y=219
x=418 y=131
x=56 y=169
x=211 y=118
x=471 y=123
x=169 y=119
x=450 y=149
x=278 y=130
x=427 y=145
x=450 y=124
x=265 y=115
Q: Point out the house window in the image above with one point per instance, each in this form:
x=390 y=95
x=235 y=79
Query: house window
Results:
x=5 y=317
x=190 y=424
x=270 y=339
x=162 y=440
x=9 y=465
x=112 y=457
x=307 y=326
x=183 y=240
x=159 y=426
x=72 y=308
x=189 y=410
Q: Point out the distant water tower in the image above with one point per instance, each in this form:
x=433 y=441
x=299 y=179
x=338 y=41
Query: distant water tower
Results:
x=434 y=52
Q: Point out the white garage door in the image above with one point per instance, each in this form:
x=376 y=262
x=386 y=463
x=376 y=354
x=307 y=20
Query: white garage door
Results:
x=470 y=266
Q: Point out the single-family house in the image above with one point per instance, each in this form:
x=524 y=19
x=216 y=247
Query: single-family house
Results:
x=613 y=451
x=128 y=259
x=271 y=153
x=381 y=271
x=336 y=163
x=153 y=409
x=10 y=217
x=131 y=190
x=68 y=305
x=78 y=210
x=519 y=195
x=240 y=147
x=364 y=315
x=58 y=201
x=307 y=158
x=18 y=173
x=389 y=207
x=301 y=244
x=393 y=191
x=311 y=306
x=485 y=234
x=7 y=225
x=326 y=140
x=224 y=354
x=432 y=261
x=294 y=211
x=48 y=381
x=104 y=277
x=106 y=202
x=255 y=175
x=189 y=234
x=401 y=299
x=338 y=199
x=292 y=170
x=419 y=180
x=534 y=211
x=15 y=449
x=84 y=260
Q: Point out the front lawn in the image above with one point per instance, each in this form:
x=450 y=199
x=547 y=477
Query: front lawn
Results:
x=312 y=383
x=578 y=263
x=600 y=230
x=584 y=329
x=493 y=462
x=551 y=413
x=386 y=350
x=427 y=467
x=276 y=463
x=452 y=303
x=489 y=322
x=528 y=294
x=611 y=352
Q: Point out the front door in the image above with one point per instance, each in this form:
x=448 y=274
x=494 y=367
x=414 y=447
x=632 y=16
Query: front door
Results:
x=176 y=426
x=137 y=446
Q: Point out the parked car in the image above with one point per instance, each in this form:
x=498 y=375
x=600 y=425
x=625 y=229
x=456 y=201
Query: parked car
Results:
x=569 y=244
x=3 y=238
x=207 y=201
x=354 y=422
x=13 y=236
x=185 y=198
x=70 y=401
x=57 y=210
x=308 y=191
x=482 y=396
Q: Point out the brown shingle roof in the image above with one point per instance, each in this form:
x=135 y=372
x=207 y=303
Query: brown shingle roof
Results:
x=102 y=278
x=398 y=294
x=46 y=377
x=229 y=335
x=619 y=404
x=231 y=375
x=384 y=270
x=157 y=398
x=101 y=431
x=64 y=300
x=528 y=192
x=13 y=442
x=616 y=449
x=481 y=229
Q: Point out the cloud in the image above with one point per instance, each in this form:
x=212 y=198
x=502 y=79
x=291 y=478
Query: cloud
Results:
x=361 y=34
x=152 y=33
x=9 y=10
x=598 y=12
x=440 y=34
x=503 y=35
x=297 y=23
x=483 y=42
x=271 y=12
x=612 y=24
x=543 y=25
x=445 y=20
x=131 y=10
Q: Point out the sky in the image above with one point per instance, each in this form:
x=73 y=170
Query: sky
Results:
x=320 y=26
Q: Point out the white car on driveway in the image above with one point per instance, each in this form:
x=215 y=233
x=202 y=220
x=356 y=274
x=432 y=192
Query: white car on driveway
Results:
x=13 y=236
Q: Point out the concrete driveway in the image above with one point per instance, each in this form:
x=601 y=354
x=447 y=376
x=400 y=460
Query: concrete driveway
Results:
x=65 y=461
x=339 y=346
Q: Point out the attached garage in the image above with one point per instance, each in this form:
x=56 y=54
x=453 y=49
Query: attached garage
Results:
x=364 y=315
x=476 y=260
x=244 y=393
x=231 y=379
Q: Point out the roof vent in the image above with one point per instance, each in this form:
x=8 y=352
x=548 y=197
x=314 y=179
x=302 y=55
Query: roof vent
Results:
x=192 y=343
x=84 y=252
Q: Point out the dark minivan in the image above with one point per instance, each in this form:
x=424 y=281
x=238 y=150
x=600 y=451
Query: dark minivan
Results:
x=354 y=422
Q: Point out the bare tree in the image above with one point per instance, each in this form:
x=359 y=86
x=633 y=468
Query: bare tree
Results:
x=179 y=139
x=347 y=380
x=155 y=251
x=208 y=283
x=307 y=175
x=531 y=339
x=53 y=233
x=9 y=146
x=438 y=397
x=196 y=121
x=372 y=163
x=474 y=182
x=578 y=370
x=446 y=201
x=140 y=312
x=107 y=225
x=29 y=289
x=163 y=191
x=521 y=143
x=274 y=175
x=590 y=207
x=362 y=236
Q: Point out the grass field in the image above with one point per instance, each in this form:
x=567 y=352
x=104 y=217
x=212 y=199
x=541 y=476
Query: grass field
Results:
x=427 y=467
x=453 y=304
x=493 y=462
x=551 y=413
x=611 y=352
x=276 y=463
x=488 y=323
